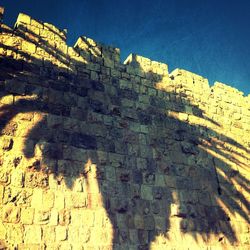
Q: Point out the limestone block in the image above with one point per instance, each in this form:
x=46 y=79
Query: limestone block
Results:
x=36 y=179
x=146 y=192
x=64 y=217
x=28 y=47
x=27 y=216
x=138 y=221
x=48 y=198
x=55 y=30
x=2 y=232
x=61 y=233
x=32 y=234
x=14 y=234
x=15 y=87
x=17 y=178
x=23 y=18
x=42 y=217
x=54 y=217
x=7 y=143
x=11 y=214
x=59 y=202
x=37 y=201
x=49 y=235
x=33 y=33
x=7 y=99
x=79 y=200
x=143 y=236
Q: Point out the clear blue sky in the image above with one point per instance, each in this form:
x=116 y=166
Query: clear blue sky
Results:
x=208 y=37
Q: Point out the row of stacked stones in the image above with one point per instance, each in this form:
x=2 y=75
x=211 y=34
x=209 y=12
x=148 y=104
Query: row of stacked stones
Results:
x=99 y=154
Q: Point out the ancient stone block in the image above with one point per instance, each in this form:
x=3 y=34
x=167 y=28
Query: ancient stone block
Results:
x=61 y=233
x=14 y=234
x=64 y=217
x=53 y=217
x=11 y=214
x=27 y=216
x=7 y=143
x=23 y=18
x=17 y=178
x=42 y=217
x=83 y=141
x=32 y=234
x=49 y=236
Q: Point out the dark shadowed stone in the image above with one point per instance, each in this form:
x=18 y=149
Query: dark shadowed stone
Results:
x=34 y=68
x=47 y=72
x=137 y=177
x=53 y=151
x=179 y=135
x=78 y=113
x=157 y=193
x=115 y=81
x=156 y=102
x=10 y=64
x=97 y=86
x=189 y=148
x=32 y=89
x=125 y=176
x=116 y=133
x=82 y=91
x=83 y=141
x=115 y=100
x=149 y=222
x=121 y=205
x=110 y=146
x=60 y=135
x=144 y=118
x=98 y=106
x=151 y=164
x=2 y=86
x=58 y=109
x=115 y=111
x=149 y=178
x=128 y=93
x=66 y=76
x=15 y=87
x=61 y=86
x=155 y=207
x=143 y=237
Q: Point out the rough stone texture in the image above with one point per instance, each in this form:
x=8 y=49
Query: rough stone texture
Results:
x=99 y=154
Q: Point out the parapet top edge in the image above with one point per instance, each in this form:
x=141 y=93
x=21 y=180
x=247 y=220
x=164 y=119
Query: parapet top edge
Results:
x=132 y=58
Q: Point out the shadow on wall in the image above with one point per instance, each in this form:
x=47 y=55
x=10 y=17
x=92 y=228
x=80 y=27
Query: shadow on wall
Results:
x=169 y=170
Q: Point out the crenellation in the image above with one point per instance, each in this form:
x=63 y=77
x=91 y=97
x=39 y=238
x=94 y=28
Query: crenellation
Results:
x=229 y=94
x=96 y=153
x=92 y=51
x=145 y=68
x=193 y=82
x=23 y=18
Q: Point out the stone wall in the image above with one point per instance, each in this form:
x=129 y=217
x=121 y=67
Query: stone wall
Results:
x=99 y=154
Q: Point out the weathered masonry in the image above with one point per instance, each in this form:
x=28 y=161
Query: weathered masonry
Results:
x=99 y=154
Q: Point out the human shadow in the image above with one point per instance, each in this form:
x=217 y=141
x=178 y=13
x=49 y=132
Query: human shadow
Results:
x=154 y=166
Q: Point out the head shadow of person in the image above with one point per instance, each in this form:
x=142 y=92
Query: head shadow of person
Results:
x=156 y=168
